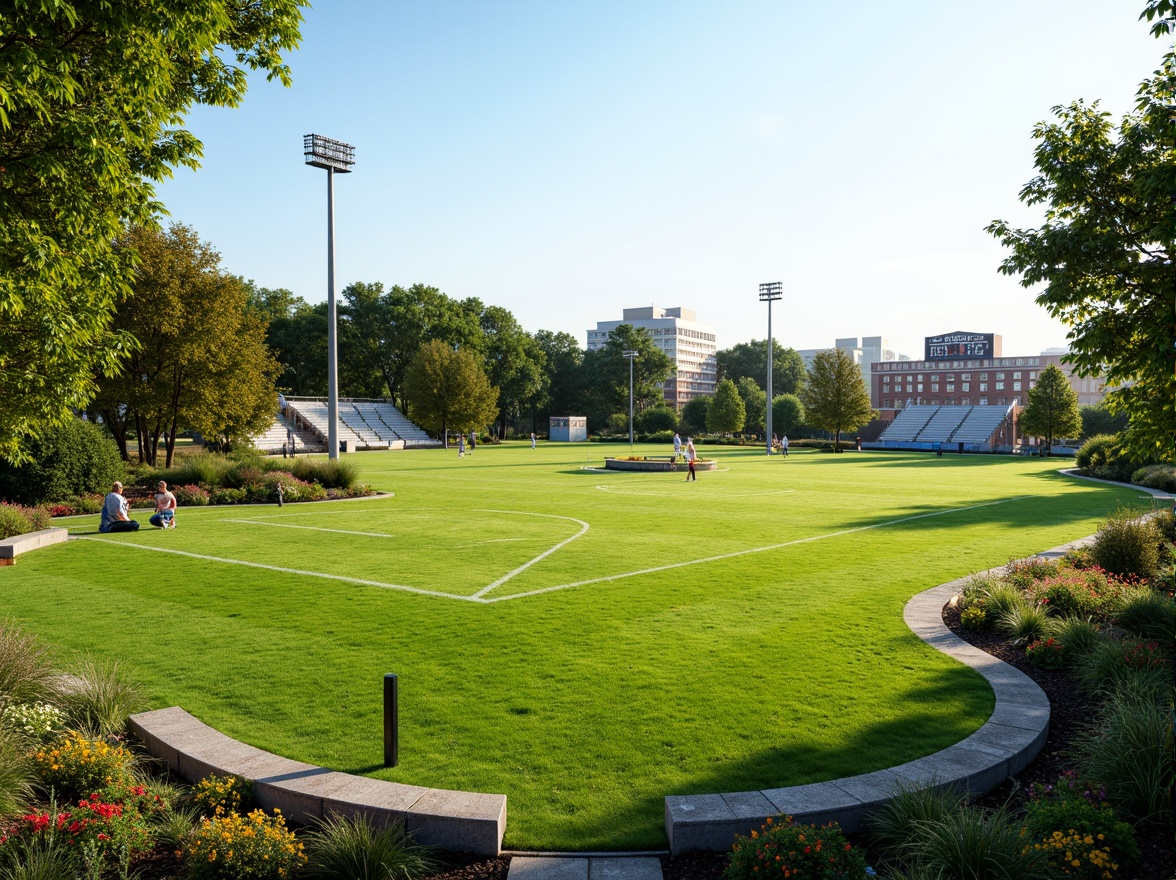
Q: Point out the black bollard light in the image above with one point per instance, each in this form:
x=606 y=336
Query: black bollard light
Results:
x=391 y=721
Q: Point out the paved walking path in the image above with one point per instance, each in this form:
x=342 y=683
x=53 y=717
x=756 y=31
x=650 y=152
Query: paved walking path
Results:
x=585 y=868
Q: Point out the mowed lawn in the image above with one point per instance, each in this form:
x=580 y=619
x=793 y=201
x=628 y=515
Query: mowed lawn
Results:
x=585 y=642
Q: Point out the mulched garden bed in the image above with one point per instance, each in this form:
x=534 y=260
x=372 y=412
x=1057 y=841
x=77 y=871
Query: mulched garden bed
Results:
x=1070 y=711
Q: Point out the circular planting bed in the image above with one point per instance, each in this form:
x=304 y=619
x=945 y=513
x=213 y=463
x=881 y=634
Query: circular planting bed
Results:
x=657 y=465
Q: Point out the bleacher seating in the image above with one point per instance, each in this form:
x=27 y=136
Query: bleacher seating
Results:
x=908 y=423
x=363 y=424
x=981 y=424
x=921 y=425
x=275 y=437
x=943 y=423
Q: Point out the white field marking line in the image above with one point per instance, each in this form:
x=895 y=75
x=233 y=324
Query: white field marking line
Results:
x=677 y=494
x=256 y=522
x=332 y=577
x=506 y=577
x=722 y=556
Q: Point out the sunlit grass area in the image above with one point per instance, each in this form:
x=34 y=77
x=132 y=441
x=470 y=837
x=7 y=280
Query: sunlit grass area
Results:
x=586 y=642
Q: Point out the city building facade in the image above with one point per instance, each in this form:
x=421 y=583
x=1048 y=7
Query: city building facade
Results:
x=865 y=352
x=676 y=332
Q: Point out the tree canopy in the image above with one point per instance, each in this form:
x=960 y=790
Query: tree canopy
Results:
x=1105 y=252
x=726 y=413
x=1052 y=409
x=448 y=389
x=92 y=100
x=606 y=374
x=835 y=397
x=750 y=359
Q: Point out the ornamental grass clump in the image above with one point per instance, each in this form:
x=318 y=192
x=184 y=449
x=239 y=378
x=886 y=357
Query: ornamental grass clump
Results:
x=26 y=667
x=890 y=827
x=1024 y=623
x=17 y=775
x=77 y=766
x=235 y=847
x=1080 y=636
x=1128 y=667
x=1074 y=816
x=100 y=696
x=356 y=849
x=1149 y=614
x=972 y=843
x=1127 y=544
x=805 y=852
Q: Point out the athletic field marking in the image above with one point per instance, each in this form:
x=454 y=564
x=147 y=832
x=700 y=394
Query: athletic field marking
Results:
x=478 y=597
x=258 y=522
x=737 y=553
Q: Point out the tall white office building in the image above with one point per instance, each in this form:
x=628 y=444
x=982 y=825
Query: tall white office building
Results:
x=686 y=342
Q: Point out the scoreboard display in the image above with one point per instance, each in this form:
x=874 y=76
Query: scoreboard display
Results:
x=958 y=345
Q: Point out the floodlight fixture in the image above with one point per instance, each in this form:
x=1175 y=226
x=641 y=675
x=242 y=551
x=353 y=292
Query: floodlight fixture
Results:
x=769 y=292
x=334 y=157
x=322 y=152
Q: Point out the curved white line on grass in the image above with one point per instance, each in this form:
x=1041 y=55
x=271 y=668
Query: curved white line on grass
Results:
x=506 y=577
x=259 y=522
x=737 y=553
x=318 y=574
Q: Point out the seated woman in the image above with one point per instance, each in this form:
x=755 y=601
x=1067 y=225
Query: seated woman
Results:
x=165 y=508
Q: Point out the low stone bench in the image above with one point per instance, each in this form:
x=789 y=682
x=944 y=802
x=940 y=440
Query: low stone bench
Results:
x=453 y=820
x=1010 y=739
x=10 y=548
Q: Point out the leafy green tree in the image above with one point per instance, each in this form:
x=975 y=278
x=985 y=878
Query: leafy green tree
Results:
x=200 y=362
x=694 y=415
x=514 y=362
x=297 y=336
x=1052 y=409
x=449 y=390
x=362 y=329
x=726 y=414
x=1105 y=251
x=1098 y=420
x=835 y=397
x=751 y=359
x=755 y=404
x=92 y=97
x=787 y=414
x=562 y=391
x=73 y=458
x=658 y=417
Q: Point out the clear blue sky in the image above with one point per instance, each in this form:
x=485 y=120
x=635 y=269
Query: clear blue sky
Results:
x=567 y=160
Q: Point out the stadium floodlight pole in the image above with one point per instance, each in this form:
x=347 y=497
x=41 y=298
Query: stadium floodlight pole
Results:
x=631 y=355
x=334 y=157
x=769 y=292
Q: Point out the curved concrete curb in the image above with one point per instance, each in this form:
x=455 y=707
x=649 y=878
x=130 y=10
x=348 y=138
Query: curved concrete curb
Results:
x=1002 y=747
x=454 y=820
x=10 y=548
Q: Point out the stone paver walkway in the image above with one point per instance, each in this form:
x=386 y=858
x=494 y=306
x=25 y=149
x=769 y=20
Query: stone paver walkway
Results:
x=585 y=868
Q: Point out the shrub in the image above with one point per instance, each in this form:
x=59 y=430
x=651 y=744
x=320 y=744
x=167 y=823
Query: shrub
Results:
x=217 y=795
x=1095 y=451
x=337 y=474
x=1129 y=749
x=26 y=667
x=800 y=851
x=1022 y=573
x=1113 y=668
x=227 y=496
x=100 y=696
x=1072 y=811
x=1047 y=654
x=1149 y=614
x=87 y=503
x=1156 y=476
x=190 y=495
x=1071 y=591
x=236 y=847
x=201 y=470
x=974 y=618
x=1072 y=854
x=1079 y=636
x=658 y=419
x=666 y=437
x=1024 y=622
x=1127 y=544
x=77 y=766
x=18 y=520
x=74 y=458
x=355 y=849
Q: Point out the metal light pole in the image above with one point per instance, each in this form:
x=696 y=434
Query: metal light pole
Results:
x=334 y=156
x=631 y=355
x=769 y=292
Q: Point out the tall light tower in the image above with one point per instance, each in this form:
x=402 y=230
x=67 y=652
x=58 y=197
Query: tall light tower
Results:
x=632 y=356
x=769 y=292
x=334 y=156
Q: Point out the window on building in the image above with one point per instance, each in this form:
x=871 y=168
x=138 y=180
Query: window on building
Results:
x=999 y=385
x=983 y=386
x=920 y=388
x=964 y=401
x=919 y=377
x=984 y=401
x=950 y=387
x=934 y=377
x=1000 y=375
x=966 y=386
x=966 y=376
x=983 y=377
x=1017 y=375
x=1016 y=386
x=1032 y=374
x=934 y=387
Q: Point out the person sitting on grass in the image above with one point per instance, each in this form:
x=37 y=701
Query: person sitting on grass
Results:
x=165 y=508
x=115 y=513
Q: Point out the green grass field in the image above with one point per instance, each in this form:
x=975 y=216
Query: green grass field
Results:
x=583 y=641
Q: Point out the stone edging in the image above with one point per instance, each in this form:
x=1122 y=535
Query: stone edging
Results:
x=10 y=548
x=453 y=820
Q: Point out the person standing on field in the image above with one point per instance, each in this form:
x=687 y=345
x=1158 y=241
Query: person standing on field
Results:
x=691 y=458
x=677 y=446
x=473 y=441
x=784 y=445
x=461 y=445
x=532 y=439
